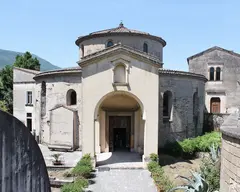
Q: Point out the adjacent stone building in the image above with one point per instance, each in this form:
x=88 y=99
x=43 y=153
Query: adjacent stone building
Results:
x=119 y=97
x=222 y=69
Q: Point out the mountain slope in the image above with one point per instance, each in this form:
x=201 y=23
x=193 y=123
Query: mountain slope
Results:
x=8 y=58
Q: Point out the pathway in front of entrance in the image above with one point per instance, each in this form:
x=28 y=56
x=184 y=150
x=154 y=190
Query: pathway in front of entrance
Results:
x=119 y=160
x=120 y=180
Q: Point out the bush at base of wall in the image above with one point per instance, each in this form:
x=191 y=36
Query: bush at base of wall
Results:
x=188 y=147
x=82 y=171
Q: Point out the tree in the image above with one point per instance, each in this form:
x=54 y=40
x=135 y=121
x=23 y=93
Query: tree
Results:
x=6 y=87
x=6 y=78
x=27 y=61
x=3 y=106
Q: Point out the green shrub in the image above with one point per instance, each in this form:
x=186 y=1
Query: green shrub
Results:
x=154 y=157
x=190 y=146
x=86 y=157
x=211 y=173
x=161 y=180
x=84 y=167
x=77 y=186
x=152 y=166
x=82 y=171
x=207 y=140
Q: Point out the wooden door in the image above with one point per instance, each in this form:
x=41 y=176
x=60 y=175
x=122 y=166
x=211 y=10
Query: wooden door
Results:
x=215 y=105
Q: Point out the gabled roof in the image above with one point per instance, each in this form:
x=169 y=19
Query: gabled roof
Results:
x=120 y=47
x=64 y=106
x=34 y=72
x=117 y=31
x=213 y=49
x=181 y=73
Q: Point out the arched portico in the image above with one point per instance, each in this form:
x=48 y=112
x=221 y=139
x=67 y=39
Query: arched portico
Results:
x=119 y=123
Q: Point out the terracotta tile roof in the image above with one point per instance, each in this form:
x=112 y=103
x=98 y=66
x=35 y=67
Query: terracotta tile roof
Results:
x=27 y=70
x=182 y=73
x=59 y=71
x=120 y=29
x=117 y=31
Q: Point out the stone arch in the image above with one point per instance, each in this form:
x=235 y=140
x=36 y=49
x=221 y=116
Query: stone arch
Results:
x=116 y=112
x=167 y=104
x=124 y=92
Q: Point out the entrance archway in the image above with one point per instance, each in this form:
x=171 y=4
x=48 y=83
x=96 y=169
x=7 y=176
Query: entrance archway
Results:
x=119 y=123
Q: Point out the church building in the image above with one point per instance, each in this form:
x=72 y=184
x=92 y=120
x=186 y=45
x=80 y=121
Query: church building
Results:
x=118 y=97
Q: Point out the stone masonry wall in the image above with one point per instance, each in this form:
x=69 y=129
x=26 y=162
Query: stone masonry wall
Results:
x=230 y=155
x=22 y=167
x=182 y=124
x=228 y=89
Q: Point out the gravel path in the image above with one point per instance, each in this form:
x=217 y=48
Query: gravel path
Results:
x=123 y=181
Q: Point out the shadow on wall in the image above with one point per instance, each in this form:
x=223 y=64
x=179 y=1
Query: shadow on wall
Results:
x=22 y=164
x=213 y=121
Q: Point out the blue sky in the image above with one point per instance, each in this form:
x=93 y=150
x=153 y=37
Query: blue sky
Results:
x=49 y=28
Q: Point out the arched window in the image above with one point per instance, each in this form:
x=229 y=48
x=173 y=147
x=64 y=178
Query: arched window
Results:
x=195 y=104
x=218 y=74
x=215 y=105
x=43 y=98
x=82 y=48
x=109 y=43
x=120 y=74
x=71 y=97
x=145 y=47
x=211 y=74
x=167 y=104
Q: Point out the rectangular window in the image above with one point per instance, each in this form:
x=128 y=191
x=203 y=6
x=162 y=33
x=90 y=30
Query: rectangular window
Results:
x=29 y=97
x=29 y=121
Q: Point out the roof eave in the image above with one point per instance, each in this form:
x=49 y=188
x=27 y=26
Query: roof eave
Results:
x=83 y=38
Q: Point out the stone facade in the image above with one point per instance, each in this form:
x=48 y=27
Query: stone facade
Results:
x=230 y=154
x=117 y=91
x=186 y=118
x=227 y=86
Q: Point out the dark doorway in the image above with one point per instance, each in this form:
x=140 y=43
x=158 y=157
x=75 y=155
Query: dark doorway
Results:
x=119 y=135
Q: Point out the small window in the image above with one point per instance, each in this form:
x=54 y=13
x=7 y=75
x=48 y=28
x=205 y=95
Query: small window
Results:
x=29 y=121
x=71 y=97
x=82 y=48
x=167 y=104
x=120 y=74
x=29 y=97
x=211 y=74
x=109 y=43
x=145 y=47
x=218 y=74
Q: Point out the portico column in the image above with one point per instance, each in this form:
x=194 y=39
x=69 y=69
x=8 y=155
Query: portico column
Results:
x=97 y=136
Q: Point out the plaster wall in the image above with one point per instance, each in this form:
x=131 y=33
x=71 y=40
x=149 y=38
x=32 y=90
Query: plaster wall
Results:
x=96 y=44
x=92 y=73
x=62 y=128
x=56 y=93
